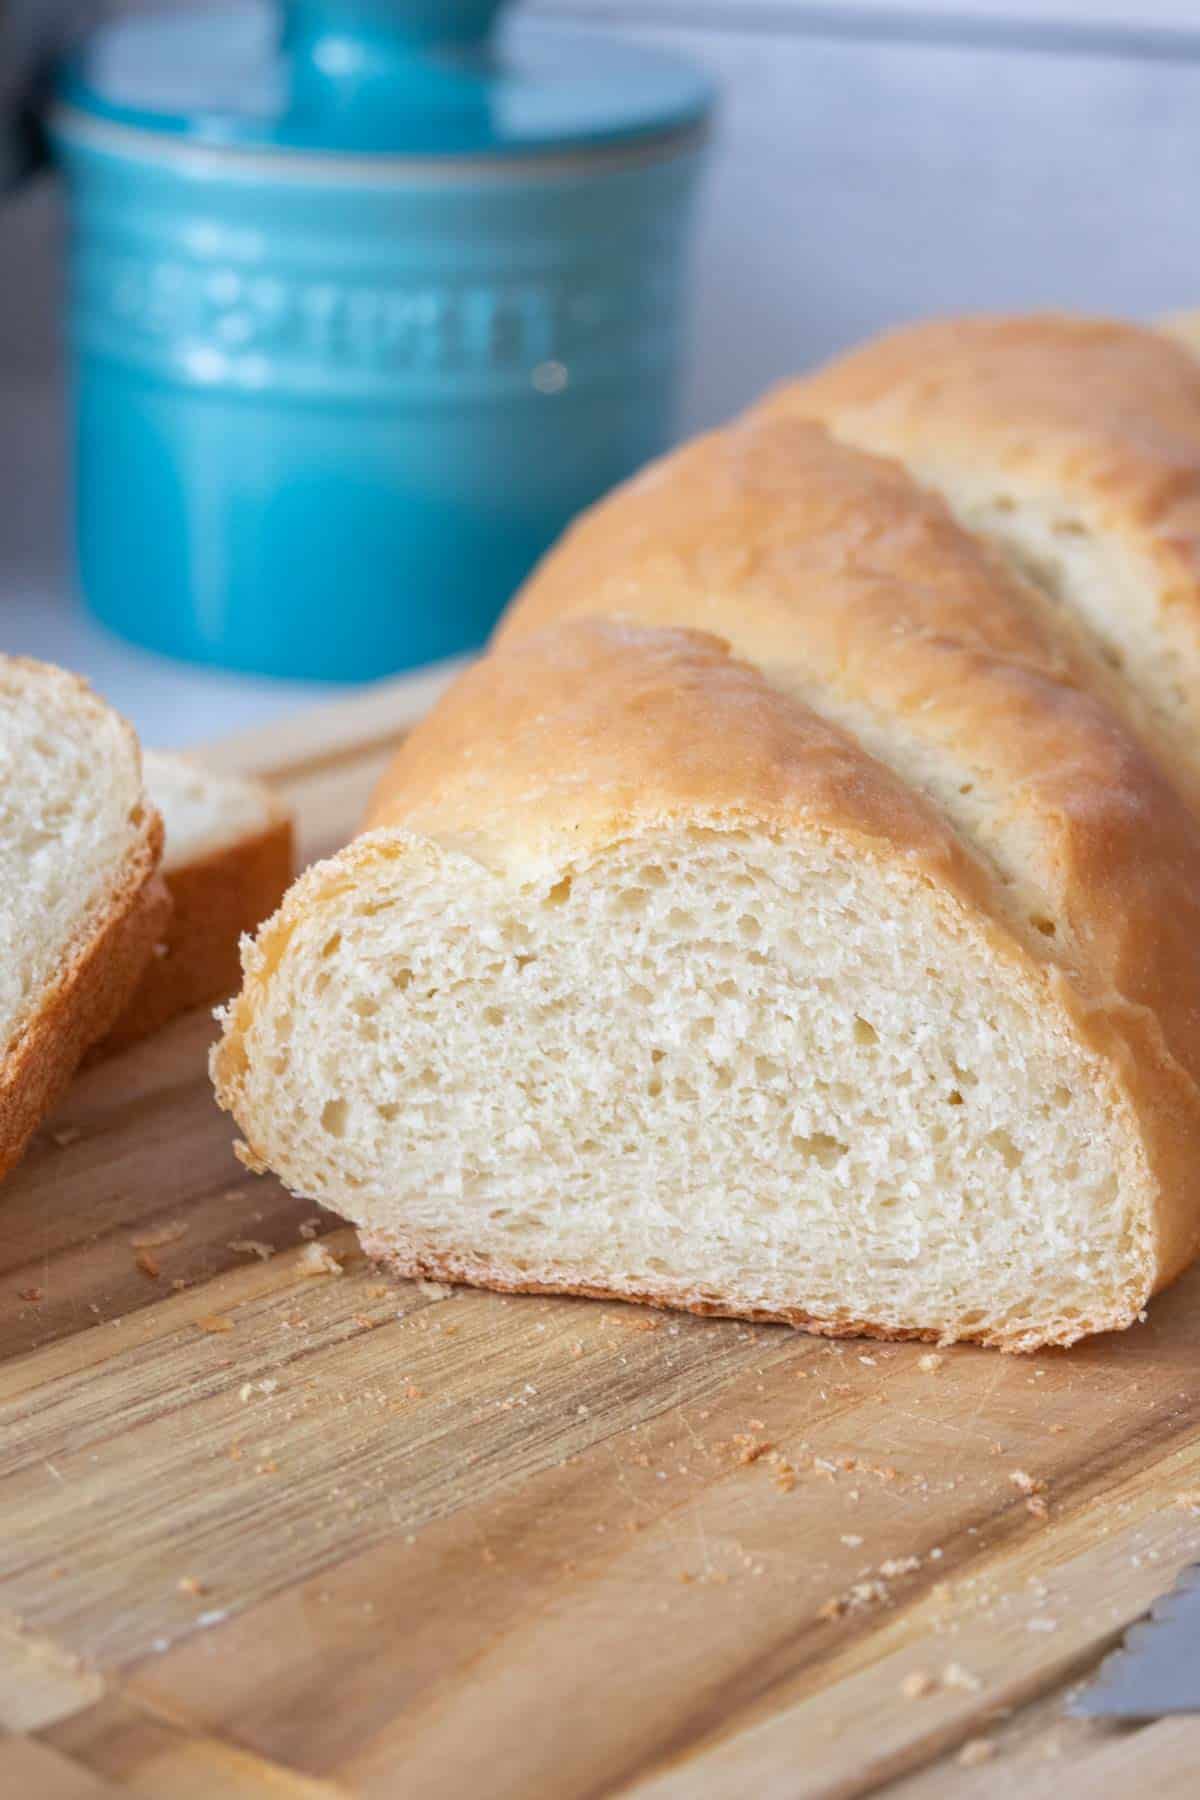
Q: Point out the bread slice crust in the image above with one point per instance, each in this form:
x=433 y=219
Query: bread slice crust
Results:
x=407 y=1262
x=215 y=898
x=99 y=969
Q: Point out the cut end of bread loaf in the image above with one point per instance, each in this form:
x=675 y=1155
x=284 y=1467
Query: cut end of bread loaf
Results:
x=745 y=1049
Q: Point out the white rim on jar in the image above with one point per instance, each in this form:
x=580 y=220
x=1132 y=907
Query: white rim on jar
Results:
x=139 y=143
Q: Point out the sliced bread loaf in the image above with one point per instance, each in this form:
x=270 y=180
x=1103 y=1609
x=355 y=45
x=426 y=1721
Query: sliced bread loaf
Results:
x=228 y=858
x=81 y=905
x=1074 y=446
x=647 y=981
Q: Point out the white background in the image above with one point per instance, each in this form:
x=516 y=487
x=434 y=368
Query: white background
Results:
x=874 y=162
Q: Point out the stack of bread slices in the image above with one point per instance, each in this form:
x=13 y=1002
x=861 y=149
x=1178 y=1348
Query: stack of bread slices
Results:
x=796 y=913
x=125 y=883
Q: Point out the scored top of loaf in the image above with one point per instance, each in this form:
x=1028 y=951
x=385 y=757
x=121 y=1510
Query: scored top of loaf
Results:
x=1086 y=430
x=1109 y=403
x=599 y=732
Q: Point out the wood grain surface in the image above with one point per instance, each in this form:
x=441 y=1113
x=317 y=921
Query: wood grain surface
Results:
x=274 y=1525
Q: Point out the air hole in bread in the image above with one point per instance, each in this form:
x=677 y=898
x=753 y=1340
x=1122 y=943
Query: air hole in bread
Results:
x=333 y=1117
x=821 y=1146
x=1001 y=1141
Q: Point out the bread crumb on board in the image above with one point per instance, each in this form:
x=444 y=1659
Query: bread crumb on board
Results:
x=318 y=1259
x=857 y=1598
x=930 y=1363
x=1033 y=1489
x=955 y=1676
x=159 y=1235
x=917 y=1684
x=435 y=1290
x=252 y=1247
x=976 y=1751
x=748 y=1449
x=248 y=1389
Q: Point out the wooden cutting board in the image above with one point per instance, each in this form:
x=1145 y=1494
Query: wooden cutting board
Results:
x=265 y=1531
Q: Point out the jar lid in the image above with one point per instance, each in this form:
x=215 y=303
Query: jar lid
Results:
x=392 y=77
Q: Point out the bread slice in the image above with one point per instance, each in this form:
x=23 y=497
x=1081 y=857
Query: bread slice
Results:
x=646 y=981
x=81 y=904
x=1073 y=445
x=227 y=860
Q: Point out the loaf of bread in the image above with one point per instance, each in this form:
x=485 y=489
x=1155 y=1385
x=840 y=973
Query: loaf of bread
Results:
x=228 y=857
x=850 y=979
x=81 y=904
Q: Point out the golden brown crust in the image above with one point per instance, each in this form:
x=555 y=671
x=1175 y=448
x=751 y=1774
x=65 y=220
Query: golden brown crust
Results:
x=408 y=1263
x=99 y=974
x=551 y=746
x=215 y=898
x=1095 y=411
x=839 y=578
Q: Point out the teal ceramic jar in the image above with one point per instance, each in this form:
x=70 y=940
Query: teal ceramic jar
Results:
x=364 y=306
